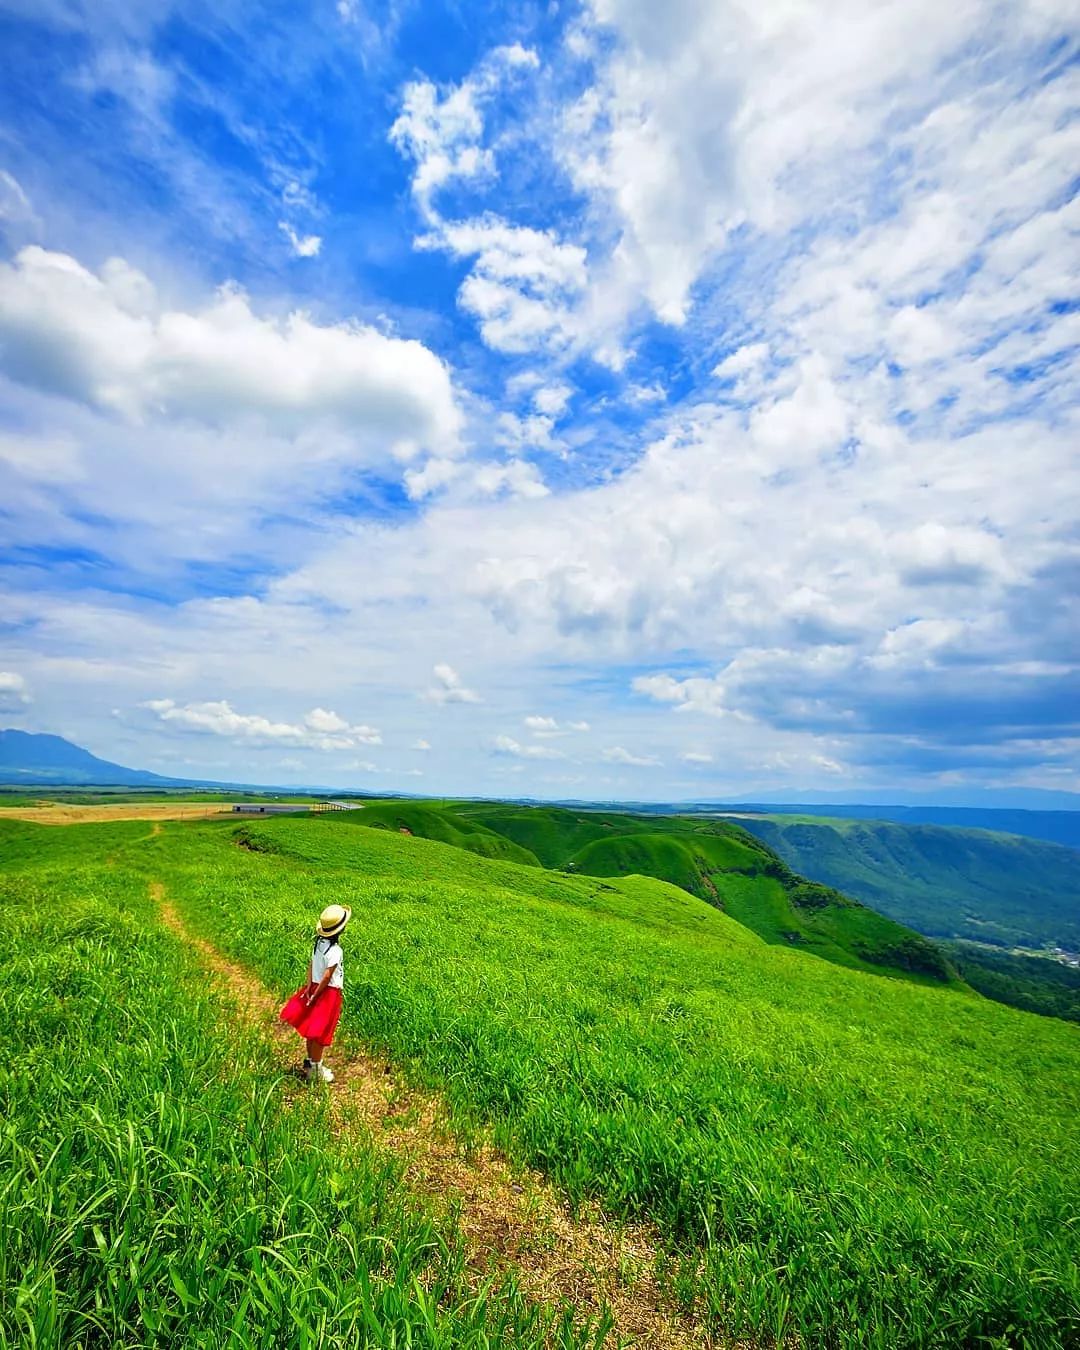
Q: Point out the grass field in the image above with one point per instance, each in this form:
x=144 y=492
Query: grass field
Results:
x=831 y=1156
x=67 y=813
x=714 y=860
x=154 y=1190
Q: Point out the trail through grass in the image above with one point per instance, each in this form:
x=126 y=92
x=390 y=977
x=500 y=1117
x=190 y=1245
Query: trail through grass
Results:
x=152 y=1189
x=508 y=1219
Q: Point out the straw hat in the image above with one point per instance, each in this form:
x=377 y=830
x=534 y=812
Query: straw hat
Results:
x=332 y=920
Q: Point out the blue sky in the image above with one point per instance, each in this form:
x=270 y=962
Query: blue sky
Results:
x=593 y=400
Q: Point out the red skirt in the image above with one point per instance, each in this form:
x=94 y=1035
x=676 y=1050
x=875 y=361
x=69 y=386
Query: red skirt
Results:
x=314 y=1021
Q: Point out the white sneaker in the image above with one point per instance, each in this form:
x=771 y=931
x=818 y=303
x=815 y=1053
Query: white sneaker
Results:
x=321 y=1072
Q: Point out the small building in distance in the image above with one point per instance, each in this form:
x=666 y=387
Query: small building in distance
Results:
x=280 y=808
x=268 y=808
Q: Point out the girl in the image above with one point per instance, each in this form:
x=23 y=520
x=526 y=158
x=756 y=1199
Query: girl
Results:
x=314 y=1010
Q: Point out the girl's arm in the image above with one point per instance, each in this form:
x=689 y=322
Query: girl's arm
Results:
x=322 y=983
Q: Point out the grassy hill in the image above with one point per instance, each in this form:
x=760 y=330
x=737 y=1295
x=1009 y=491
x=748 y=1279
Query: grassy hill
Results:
x=714 y=860
x=431 y=822
x=950 y=883
x=832 y=1158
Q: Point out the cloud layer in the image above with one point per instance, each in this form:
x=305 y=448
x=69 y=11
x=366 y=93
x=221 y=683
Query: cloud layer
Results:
x=651 y=402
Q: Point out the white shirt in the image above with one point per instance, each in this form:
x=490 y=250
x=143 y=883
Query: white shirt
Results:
x=322 y=958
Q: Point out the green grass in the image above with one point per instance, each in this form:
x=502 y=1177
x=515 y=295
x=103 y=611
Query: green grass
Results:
x=715 y=860
x=856 y=1161
x=154 y=1188
x=432 y=822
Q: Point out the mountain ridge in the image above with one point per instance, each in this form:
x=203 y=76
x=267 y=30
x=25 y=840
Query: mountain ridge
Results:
x=40 y=758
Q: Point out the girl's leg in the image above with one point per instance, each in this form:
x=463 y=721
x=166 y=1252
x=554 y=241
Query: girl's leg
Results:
x=314 y=1067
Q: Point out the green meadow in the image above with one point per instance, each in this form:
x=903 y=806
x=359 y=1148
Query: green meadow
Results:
x=153 y=1190
x=836 y=1154
x=714 y=860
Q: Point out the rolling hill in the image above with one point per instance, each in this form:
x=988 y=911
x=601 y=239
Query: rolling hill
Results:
x=716 y=861
x=430 y=821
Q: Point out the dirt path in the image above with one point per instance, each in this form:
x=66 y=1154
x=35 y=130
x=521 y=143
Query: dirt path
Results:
x=73 y=815
x=510 y=1220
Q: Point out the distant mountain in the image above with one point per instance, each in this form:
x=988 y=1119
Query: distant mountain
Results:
x=981 y=799
x=1059 y=827
x=944 y=882
x=42 y=760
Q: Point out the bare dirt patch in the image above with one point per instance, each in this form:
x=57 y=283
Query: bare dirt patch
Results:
x=511 y=1219
x=57 y=814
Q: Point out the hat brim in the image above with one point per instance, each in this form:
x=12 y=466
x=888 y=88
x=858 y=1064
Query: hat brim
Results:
x=336 y=928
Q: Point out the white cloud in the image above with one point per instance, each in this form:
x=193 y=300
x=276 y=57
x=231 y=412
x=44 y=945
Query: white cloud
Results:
x=322 y=719
x=645 y=393
x=933 y=553
x=320 y=729
x=476 y=480
x=433 y=475
x=548 y=727
x=616 y=754
x=107 y=340
x=421 y=744
x=524 y=282
x=304 y=246
x=14 y=693
x=695 y=757
x=448 y=687
x=919 y=643
x=514 y=478
x=506 y=745
x=552 y=399
x=441 y=132
x=743 y=361
x=809 y=415
x=528 y=432
x=709 y=125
